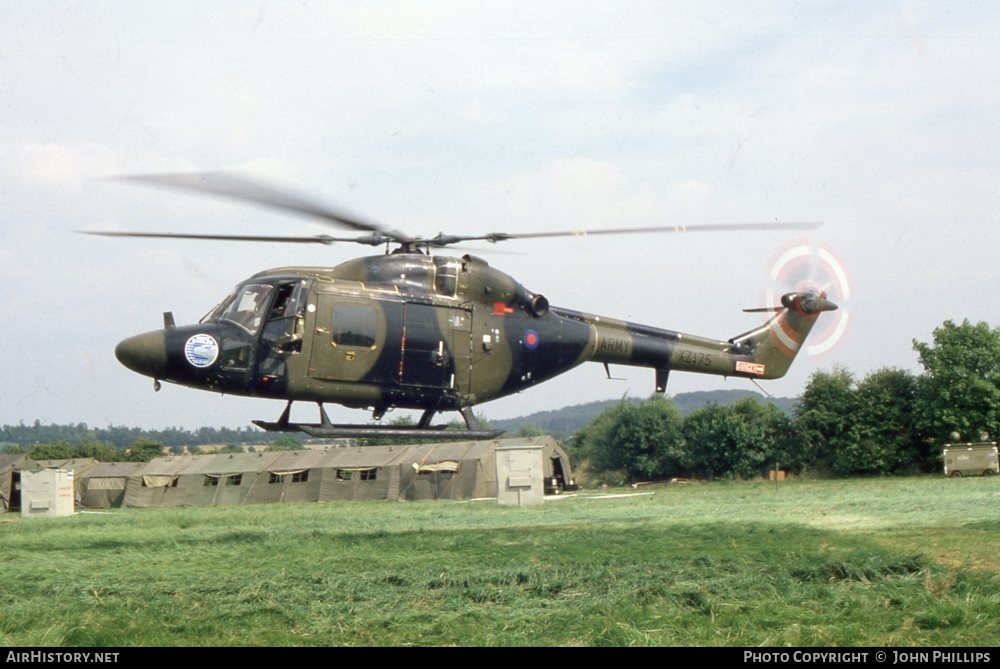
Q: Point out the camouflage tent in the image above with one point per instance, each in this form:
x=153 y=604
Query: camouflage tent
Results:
x=103 y=486
x=285 y=476
x=334 y=474
x=456 y=470
x=11 y=465
x=156 y=482
x=197 y=480
x=450 y=470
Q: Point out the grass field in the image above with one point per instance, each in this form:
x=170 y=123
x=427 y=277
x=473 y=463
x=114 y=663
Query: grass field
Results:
x=878 y=562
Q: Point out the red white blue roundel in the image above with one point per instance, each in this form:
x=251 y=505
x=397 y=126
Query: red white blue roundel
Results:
x=530 y=340
x=201 y=350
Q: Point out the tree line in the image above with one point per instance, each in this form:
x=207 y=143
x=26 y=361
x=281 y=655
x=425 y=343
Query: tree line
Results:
x=888 y=422
x=126 y=444
x=122 y=437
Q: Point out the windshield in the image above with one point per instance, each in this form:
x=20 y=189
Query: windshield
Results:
x=247 y=306
x=217 y=309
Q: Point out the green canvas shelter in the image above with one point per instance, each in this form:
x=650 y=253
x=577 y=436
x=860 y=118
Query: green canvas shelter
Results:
x=448 y=471
x=103 y=486
x=197 y=480
x=443 y=471
x=156 y=482
x=11 y=465
x=453 y=470
x=312 y=476
x=414 y=472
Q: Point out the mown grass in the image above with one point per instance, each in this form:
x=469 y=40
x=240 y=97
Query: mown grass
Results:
x=881 y=562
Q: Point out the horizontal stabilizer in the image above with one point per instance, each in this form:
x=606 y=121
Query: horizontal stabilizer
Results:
x=807 y=302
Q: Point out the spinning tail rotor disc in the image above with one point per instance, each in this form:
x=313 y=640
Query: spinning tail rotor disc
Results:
x=807 y=266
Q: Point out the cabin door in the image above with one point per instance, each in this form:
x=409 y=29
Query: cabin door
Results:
x=435 y=347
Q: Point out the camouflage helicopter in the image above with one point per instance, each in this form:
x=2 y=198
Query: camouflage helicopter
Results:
x=412 y=329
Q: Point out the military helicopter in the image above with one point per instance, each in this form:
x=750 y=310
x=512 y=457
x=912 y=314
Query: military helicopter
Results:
x=412 y=329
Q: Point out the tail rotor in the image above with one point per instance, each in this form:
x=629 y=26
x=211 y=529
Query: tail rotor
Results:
x=810 y=269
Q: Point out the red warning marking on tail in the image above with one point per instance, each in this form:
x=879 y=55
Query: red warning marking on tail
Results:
x=750 y=367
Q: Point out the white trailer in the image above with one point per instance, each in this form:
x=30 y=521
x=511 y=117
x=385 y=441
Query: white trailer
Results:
x=971 y=459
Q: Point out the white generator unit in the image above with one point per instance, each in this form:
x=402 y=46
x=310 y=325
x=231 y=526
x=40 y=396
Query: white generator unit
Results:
x=520 y=474
x=47 y=493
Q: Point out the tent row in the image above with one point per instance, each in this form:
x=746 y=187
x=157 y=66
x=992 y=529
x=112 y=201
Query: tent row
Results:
x=450 y=471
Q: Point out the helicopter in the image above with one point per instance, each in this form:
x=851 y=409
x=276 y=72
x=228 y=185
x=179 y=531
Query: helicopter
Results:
x=411 y=328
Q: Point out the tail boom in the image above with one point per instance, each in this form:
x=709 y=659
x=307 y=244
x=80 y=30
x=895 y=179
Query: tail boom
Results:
x=766 y=352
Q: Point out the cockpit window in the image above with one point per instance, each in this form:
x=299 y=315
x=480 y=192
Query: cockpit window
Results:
x=284 y=306
x=218 y=309
x=445 y=275
x=248 y=306
x=286 y=318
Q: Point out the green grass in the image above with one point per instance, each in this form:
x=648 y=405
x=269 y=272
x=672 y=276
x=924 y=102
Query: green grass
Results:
x=879 y=562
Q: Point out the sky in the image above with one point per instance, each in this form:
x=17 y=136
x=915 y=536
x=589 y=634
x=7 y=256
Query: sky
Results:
x=879 y=120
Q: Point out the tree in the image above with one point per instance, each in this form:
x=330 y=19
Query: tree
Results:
x=58 y=450
x=824 y=421
x=887 y=439
x=144 y=450
x=878 y=436
x=644 y=441
x=960 y=388
x=87 y=448
x=395 y=421
x=528 y=430
x=738 y=440
x=91 y=448
x=285 y=444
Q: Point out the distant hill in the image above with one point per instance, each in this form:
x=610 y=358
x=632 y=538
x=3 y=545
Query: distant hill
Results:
x=566 y=421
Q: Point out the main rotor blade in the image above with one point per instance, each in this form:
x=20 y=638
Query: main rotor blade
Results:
x=238 y=187
x=371 y=240
x=708 y=227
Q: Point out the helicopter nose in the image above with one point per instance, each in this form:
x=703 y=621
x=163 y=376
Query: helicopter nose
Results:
x=145 y=353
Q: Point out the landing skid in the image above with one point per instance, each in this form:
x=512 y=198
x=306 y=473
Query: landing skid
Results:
x=422 y=430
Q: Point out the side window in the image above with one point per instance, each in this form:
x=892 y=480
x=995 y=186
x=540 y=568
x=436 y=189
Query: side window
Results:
x=445 y=276
x=353 y=325
x=284 y=306
x=285 y=323
x=235 y=355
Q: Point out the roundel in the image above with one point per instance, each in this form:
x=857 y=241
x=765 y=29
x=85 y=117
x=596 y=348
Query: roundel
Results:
x=201 y=350
x=530 y=340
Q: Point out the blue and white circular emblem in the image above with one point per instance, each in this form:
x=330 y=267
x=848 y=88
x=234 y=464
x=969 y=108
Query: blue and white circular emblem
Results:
x=201 y=350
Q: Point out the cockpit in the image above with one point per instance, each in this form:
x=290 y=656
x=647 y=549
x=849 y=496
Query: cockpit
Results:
x=247 y=306
x=253 y=304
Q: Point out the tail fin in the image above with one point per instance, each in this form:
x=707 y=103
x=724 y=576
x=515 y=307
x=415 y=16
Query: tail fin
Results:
x=768 y=351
